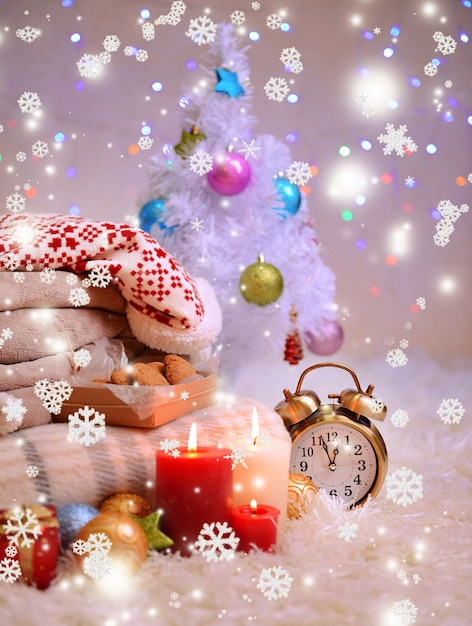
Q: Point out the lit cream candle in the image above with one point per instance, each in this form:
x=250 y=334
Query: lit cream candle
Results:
x=265 y=477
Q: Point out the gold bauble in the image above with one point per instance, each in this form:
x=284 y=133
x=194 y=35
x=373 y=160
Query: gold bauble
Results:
x=129 y=503
x=261 y=283
x=301 y=491
x=129 y=544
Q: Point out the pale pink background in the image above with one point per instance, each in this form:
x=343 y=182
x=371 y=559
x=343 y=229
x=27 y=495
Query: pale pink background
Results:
x=105 y=118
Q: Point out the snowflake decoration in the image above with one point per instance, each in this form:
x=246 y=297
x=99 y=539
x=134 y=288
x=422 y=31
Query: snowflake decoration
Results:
x=274 y=582
x=299 y=173
x=14 y=410
x=276 y=89
x=377 y=405
x=256 y=6
x=32 y=471
x=410 y=182
x=98 y=545
x=78 y=297
x=202 y=30
x=174 y=600
x=450 y=411
x=170 y=446
x=89 y=65
x=21 y=156
x=396 y=141
x=111 y=43
x=249 y=149
x=10 y=570
x=400 y=418
x=421 y=302
x=430 y=69
x=274 y=21
x=446 y=43
x=396 y=358
x=11 y=550
x=99 y=276
x=40 y=149
x=47 y=275
x=184 y=395
x=97 y=565
x=403 y=343
x=29 y=102
x=141 y=55
x=196 y=224
x=217 y=546
x=401 y=575
x=19 y=277
x=53 y=394
x=367 y=109
x=148 y=30
x=28 y=34
x=71 y=279
x=405 y=611
x=6 y=334
x=238 y=18
x=15 y=203
x=105 y=57
x=377 y=30
x=145 y=143
x=22 y=527
x=404 y=487
x=291 y=58
x=450 y=213
x=11 y=262
x=201 y=162
x=416 y=579
x=82 y=358
x=239 y=455
x=448 y=84
x=129 y=51
x=86 y=426
x=174 y=16
x=347 y=531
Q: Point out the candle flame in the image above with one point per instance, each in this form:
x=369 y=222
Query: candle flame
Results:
x=255 y=425
x=253 y=505
x=192 y=438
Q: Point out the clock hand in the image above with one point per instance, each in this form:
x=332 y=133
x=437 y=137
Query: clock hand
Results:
x=325 y=448
x=332 y=463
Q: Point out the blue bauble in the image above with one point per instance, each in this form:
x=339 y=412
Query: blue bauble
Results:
x=290 y=195
x=72 y=518
x=152 y=213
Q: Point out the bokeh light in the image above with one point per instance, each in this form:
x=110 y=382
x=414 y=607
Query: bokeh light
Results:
x=344 y=151
x=431 y=148
x=157 y=86
x=254 y=35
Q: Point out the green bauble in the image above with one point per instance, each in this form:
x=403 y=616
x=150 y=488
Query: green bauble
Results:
x=261 y=283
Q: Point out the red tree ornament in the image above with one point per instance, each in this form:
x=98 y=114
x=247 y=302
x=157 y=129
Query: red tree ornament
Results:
x=293 y=344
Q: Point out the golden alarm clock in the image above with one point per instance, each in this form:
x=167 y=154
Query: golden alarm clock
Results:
x=335 y=444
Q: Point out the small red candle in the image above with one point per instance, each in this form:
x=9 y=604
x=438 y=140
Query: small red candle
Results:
x=191 y=489
x=256 y=526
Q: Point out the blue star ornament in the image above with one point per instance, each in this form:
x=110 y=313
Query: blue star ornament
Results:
x=228 y=83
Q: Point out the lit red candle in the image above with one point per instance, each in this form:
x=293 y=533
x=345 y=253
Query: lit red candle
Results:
x=191 y=489
x=256 y=526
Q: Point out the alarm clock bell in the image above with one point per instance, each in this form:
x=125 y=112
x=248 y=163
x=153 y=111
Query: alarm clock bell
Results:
x=299 y=405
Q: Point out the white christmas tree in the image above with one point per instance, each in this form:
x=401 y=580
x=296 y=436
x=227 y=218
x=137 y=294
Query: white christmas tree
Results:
x=226 y=203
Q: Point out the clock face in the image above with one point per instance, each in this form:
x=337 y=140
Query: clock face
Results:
x=338 y=457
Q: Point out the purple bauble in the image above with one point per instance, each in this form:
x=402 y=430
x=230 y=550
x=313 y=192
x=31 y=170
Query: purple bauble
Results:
x=230 y=174
x=328 y=341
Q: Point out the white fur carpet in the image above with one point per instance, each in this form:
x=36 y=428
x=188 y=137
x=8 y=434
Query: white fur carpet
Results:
x=405 y=565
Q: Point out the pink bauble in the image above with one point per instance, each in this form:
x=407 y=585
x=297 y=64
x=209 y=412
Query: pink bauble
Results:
x=230 y=174
x=328 y=341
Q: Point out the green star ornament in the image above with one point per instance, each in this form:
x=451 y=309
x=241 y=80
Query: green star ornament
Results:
x=156 y=538
x=188 y=140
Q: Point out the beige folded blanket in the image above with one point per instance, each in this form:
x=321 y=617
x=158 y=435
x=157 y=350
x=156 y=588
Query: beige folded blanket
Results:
x=36 y=333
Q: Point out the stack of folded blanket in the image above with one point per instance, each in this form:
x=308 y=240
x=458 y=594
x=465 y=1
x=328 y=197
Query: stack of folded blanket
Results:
x=86 y=296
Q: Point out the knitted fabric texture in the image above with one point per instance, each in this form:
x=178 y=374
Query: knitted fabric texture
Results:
x=167 y=309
